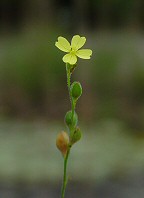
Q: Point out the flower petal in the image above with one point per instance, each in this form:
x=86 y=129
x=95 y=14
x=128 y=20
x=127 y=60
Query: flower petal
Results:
x=77 y=42
x=84 y=53
x=70 y=58
x=63 y=44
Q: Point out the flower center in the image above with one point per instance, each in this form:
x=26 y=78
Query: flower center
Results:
x=73 y=51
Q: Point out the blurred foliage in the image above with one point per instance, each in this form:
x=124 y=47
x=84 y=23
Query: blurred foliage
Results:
x=71 y=14
x=32 y=86
x=32 y=77
x=30 y=71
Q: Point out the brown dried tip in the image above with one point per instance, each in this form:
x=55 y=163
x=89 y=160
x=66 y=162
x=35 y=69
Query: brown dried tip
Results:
x=62 y=142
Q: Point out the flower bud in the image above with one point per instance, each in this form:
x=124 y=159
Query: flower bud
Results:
x=62 y=142
x=76 y=135
x=71 y=122
x=76 y=90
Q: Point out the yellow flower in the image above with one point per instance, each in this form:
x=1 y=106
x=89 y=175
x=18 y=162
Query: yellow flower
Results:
x=73 y=49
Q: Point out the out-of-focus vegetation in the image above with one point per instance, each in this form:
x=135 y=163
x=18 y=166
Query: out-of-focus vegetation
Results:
x=30 y=70
x=33 y=92
x=33 y=75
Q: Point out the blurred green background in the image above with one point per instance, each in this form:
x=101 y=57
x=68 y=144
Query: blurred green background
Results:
x=109 y=160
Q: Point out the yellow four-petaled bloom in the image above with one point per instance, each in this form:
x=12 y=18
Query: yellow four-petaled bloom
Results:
x=73 y=49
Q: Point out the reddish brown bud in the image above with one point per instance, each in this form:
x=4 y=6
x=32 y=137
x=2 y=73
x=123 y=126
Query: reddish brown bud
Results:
x=62 y=142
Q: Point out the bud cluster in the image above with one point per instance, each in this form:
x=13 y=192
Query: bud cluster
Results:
x=65 y=140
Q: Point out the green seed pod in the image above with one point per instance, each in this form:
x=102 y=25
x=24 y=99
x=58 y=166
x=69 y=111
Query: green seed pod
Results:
x=76 y=90
x=76 y=135
x=69 y=121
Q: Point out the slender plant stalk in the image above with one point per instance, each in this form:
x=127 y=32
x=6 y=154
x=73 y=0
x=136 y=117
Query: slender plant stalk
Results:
x=69 y=84
x=65 y=179
x=65 y=140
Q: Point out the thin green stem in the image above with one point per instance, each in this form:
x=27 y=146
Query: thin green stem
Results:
x=68 y=79
x=65 y=179
x=69 y=85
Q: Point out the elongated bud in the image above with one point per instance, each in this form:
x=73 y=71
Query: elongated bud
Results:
x=71 y=122
x=62 y=142
x=76 y=90
x=76 y=135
